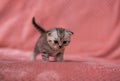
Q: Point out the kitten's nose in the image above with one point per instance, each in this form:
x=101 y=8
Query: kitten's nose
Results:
x=60 y=46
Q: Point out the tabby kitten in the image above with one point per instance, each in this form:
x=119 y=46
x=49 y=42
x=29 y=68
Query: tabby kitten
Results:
x=51 y=43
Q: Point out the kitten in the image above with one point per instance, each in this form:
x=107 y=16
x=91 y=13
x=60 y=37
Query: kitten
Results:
x=51 y=42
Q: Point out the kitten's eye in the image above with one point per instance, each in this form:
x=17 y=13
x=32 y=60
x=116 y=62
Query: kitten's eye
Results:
x=56 y=42
x=64 y=42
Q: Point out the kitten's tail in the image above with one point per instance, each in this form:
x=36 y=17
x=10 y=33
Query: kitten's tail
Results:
x=39 y=28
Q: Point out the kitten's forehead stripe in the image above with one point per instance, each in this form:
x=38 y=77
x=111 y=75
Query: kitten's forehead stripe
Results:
x=60 y=32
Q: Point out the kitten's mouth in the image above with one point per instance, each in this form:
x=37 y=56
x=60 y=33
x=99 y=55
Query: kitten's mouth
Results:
x=58 y=47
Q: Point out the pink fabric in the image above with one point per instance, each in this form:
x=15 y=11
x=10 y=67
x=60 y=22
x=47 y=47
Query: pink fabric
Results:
x=94 y=52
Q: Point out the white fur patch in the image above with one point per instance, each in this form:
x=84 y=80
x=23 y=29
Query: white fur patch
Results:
x=53 y=35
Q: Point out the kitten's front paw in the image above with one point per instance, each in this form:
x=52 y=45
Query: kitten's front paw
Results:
x=45 y=60
x=59 y=60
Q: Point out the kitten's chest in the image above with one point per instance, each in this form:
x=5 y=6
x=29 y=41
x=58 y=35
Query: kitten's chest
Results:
x=51 y=51
x=54 y=52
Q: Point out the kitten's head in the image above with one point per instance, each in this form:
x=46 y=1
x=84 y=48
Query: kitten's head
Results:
x=58 y=38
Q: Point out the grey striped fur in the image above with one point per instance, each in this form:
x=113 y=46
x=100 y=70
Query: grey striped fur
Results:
x=51 y=43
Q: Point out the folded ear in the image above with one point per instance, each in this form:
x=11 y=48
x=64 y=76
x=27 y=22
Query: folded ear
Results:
x=49 y=33
x=70 y=32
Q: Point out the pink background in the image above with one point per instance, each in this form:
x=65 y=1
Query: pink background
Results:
x=95 y=23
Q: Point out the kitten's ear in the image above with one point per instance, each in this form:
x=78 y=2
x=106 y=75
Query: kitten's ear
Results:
x=49 y=33
x=70 y=32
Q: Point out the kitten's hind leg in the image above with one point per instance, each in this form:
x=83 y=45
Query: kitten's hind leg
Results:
x=34 y=55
